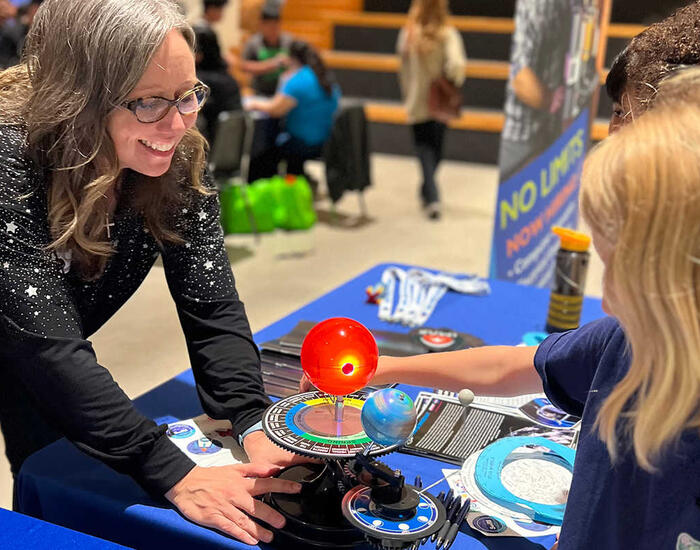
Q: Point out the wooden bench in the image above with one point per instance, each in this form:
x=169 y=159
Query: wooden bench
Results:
x=471 y=119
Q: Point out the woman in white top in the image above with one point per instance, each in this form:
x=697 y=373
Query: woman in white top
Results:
x=429 y=48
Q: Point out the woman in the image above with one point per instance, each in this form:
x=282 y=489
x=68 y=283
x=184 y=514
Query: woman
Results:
x=101 y=172
x=308 y=99
x=429 y=49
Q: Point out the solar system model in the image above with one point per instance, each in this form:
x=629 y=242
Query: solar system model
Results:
x=348 y=498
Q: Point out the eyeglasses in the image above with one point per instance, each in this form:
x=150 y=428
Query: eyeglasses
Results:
x=153 y=109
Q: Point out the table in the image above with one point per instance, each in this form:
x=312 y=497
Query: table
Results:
x=63 y=486
x=20 y=531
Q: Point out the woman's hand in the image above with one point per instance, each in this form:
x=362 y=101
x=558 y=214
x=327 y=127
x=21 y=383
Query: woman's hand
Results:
x=221 y=497
x=306 y=385
x=261 y=450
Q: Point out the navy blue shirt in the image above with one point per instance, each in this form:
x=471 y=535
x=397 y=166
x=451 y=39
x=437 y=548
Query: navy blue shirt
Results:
x=620 y=506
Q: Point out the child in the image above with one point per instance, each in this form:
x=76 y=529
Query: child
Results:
x=635 y=377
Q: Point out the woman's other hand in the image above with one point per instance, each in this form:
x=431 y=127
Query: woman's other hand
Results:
x=222 y=497
x=261 y=450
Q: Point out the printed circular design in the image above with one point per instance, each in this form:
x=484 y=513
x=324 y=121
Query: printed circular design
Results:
x=491 y=461
x=284 y=423
x=180 y=431
x=204 y=446
x=533 y=526
x=361 y=513
x=489 y=524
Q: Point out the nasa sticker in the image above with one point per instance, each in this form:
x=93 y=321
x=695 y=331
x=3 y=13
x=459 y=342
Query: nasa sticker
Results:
x=438 y=339
x=204 y=446
x=180 y=431
x=489 y=524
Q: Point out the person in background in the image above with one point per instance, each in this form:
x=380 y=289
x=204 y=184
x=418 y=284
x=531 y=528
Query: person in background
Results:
x=428 y=48
x=10 y=35
x=651 y=56
x=14 y=31
x=102 y=171
x=535 y=90
x=213 y=68
x=307 y=99
x=265 y=55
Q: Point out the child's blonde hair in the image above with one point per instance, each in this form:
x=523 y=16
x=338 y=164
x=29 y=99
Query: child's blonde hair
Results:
x=641 y=193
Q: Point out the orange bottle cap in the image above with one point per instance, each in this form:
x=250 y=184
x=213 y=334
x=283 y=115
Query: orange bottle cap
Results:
x=574 y=241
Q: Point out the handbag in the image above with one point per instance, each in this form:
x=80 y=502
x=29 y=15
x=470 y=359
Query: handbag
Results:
x=444 y=97
x=444 y=100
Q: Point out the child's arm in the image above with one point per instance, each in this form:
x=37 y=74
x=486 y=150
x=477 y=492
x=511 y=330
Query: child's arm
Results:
x=490 y=370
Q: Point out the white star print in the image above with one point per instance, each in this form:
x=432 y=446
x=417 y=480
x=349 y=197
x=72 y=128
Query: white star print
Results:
x=187 y=245
x=11 y=227
x=202 y=215
x=31 y=291
x=184 y=210
x=6 y=265
x=209 y=265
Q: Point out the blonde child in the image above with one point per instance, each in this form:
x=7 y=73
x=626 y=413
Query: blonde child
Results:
x=634 y=377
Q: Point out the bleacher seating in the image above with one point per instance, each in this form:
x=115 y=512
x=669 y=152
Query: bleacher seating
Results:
x=357 y=39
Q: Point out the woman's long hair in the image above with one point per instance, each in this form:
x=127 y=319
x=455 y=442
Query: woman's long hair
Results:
x=641 y=193
x=81 y=59
x=428 y=19
x=306 y=55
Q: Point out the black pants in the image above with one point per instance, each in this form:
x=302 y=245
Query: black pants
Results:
x=428 y=138
x=23 y=428
x=296 y=152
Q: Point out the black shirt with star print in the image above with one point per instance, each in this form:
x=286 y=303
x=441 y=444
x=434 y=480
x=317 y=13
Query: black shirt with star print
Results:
x=47 y=314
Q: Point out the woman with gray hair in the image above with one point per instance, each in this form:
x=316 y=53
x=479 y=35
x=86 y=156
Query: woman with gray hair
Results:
x=101 y=172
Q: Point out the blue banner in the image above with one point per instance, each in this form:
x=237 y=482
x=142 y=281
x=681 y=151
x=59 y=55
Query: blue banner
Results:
x=541 y=195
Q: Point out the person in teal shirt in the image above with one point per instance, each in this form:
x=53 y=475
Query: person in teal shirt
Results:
x=308 y=99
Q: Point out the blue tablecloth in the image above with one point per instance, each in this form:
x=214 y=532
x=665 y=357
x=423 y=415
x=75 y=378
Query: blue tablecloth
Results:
x=63 y=486
x=20 y=531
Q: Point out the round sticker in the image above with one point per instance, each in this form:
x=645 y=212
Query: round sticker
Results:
x=180 y=431
x=436 y=339
x=204 y=446
x=489 y=524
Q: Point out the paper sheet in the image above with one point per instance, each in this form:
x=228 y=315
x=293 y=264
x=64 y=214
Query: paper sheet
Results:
x=206 y=441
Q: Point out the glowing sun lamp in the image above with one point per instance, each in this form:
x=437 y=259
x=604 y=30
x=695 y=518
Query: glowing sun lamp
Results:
x=339 y=356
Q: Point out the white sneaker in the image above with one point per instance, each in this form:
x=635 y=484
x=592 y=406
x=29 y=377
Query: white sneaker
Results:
x=432 y=210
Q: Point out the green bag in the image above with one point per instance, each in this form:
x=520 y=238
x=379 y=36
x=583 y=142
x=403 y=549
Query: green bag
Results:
x=294 y=202
x=286 y=203
x=235 y=213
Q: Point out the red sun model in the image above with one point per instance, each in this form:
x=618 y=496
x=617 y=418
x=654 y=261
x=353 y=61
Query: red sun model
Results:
x=339 y=356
